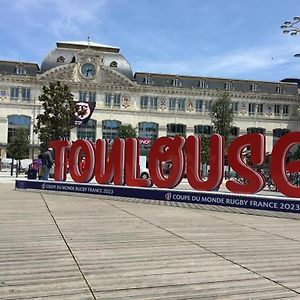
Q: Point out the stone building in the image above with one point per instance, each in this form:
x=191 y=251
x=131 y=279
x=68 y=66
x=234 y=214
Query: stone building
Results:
x=155 y=104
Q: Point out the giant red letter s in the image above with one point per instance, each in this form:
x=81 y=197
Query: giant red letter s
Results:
x=255 y=181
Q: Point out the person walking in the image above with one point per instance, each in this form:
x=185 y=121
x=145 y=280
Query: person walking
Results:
x=47 y=163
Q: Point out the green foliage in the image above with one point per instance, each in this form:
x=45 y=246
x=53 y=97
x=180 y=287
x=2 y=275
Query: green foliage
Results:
x=18 y=147
x=222 y=116
x=127 y=131
x=57 y=118
x=296 y=154
x=205 y=148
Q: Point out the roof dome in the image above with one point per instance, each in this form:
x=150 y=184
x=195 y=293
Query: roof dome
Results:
x=65 y=53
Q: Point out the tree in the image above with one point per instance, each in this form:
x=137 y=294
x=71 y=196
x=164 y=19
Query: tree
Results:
x=126 y=131
x=18 y=146
x=222 y=116
x=204 y=148
x=57 y=119
x=296 y=154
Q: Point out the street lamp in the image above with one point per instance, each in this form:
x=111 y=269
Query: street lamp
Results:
x=290 y=27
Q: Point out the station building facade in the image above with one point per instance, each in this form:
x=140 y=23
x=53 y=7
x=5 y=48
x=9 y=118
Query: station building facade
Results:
x=155 y=104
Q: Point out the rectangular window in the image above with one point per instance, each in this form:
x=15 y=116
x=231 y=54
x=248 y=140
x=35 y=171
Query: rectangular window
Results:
x=117 y=100
x=277 y=110
x=251 y=109
x=203 y=84
x=92 y=97
x=208 y=105
x=25 y=94
x=279 y=89
x=199 y=104
x=148 y=80
x=235 y=107
x=172 y=104
x=176 y=82
x=153 y=103
x=144 y=102
x=255 y=87
x=82 y=96
x=108 y=100
x=14 y=93
x=260 y=109
x=113 y=100
x=285 y=110
x=85 y=96
x=181 y=104
x=229 y=86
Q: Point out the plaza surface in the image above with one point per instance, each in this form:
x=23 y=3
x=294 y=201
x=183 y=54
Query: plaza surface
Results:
x=58 y=246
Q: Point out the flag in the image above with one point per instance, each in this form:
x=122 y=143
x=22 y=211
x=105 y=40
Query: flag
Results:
x=84 y=111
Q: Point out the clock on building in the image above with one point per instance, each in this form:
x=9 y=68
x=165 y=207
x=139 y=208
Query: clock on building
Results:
x=88 y=70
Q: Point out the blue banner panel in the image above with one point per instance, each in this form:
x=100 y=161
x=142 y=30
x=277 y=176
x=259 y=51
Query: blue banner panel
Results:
x=260 y=202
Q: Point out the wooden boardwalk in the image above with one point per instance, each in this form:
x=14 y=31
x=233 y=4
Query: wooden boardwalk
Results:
x=71 y=247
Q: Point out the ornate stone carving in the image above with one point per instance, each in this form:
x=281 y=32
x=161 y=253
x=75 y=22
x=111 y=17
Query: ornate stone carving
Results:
x=71 y=73
x=269 y=110
x=3 y=93
x=190 y=106
x=63 y=73
x=243 y=108
x=126 y=102
x=163 y=103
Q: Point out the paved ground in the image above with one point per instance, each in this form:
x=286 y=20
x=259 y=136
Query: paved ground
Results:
x=70 y=247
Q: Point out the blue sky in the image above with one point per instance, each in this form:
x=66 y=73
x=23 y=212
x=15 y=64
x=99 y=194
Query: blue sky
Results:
x=239 y=39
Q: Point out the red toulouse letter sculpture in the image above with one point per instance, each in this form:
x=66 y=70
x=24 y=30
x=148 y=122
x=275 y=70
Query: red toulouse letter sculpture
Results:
x=279 y=167
x=121 y=166
x=255 y=181
x=216 y=171
x=61 y=154
x=167 y=149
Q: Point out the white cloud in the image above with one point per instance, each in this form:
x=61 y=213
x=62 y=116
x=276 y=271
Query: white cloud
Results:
x=235 y=64
x=60 y=17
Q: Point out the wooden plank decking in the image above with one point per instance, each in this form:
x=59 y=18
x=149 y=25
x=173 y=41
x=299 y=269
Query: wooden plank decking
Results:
x=71 y=247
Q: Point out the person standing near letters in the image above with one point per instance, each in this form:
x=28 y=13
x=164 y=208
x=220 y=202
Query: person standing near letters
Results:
x=47 y=163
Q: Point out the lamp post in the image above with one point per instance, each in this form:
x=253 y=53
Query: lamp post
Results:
x=291 y=27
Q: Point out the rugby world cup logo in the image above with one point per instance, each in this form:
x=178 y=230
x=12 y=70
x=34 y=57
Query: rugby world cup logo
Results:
x=168 y=196
x=43 y=186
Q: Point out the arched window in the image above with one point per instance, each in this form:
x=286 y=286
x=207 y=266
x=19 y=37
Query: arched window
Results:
x=278 y=133
x=234 y=131
x=110 y=129
x=202 y=129
x=256 y=130
x=87 y=131
x=176 y=129
x=17 y=121
x=148 y=132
